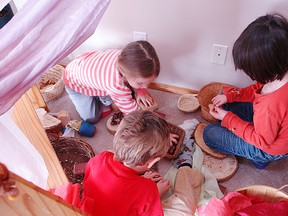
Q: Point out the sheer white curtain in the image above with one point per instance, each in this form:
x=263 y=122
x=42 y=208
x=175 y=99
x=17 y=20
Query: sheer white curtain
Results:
x=40 y=35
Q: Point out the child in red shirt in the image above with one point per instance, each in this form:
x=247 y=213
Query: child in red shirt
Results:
x=254 y=119
x=117 y=183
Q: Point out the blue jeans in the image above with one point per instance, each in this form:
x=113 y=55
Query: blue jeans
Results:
x=88 y=107
x=223 y=140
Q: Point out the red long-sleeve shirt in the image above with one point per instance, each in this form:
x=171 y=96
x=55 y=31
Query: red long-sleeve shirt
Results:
x=96 y=74
x=269 y=130
x=110 y=188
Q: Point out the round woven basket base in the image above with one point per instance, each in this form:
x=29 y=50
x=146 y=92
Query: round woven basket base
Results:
x=111 y=128
x=222 y=169
x=265 y=193
x=188 y=103
x=198 y=135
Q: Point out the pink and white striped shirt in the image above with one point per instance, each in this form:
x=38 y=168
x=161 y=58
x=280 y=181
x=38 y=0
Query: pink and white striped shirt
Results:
x=96 y=74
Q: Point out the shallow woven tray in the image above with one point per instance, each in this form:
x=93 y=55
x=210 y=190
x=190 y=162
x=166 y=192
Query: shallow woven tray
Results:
x=205 y=96
x=174 y=129
x=151 y=108
x=198 y=135
x=51 y=83
x=188 y=103
x=71 y=151
x=221 y=169
x=265 y=193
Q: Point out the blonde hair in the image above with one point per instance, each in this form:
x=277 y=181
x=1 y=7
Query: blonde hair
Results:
x=141 y=135
x=139 y=59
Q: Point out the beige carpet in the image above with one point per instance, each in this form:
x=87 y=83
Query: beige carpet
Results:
x=274 y=175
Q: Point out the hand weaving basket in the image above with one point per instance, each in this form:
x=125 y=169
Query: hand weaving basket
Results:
x=205 y=96
x=265 y=193
x=72 y=151
x=51 y=83
x=188 y=103
x=174 y=129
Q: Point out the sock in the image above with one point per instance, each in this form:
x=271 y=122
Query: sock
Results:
x=105 y=111
x=186 y=157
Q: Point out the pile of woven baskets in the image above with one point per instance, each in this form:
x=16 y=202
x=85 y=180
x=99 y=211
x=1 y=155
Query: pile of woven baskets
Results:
x=51 y=83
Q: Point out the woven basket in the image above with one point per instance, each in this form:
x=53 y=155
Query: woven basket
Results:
x=51 y=83
x=174 y=129
x=265 y=193
x=198 y=135
x=188 y=103
x=71 y=151
x=205 y=96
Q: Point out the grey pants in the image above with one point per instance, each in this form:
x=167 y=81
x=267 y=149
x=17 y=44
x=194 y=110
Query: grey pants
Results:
x=88 y=107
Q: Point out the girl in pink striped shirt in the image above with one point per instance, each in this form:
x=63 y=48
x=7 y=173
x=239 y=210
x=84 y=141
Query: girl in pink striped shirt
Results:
x=99 y=78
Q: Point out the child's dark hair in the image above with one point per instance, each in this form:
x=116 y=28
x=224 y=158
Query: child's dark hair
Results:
x=261 y=50
x=139 y=59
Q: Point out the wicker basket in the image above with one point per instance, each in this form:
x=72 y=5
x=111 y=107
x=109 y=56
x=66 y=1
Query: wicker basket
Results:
x=205 y=96
x=71 y=151
x=198 y=135
x=188 y=103
x=51 y=83
x=265 y=193
x=174 y=129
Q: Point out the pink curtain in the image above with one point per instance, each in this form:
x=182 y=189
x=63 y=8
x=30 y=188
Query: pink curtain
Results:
x=39 y=36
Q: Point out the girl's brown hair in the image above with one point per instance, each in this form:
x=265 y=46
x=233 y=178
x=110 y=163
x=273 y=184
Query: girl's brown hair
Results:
x=141 y=135
x=139 y=59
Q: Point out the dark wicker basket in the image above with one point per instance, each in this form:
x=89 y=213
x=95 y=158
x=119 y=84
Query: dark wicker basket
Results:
x=71 y=151
x=174 y=129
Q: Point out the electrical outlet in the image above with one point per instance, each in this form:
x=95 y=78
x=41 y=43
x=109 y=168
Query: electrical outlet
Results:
x=139 y=36
x=219 y=53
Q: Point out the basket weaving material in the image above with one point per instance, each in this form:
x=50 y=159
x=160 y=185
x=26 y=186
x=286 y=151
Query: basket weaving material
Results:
x=205 y=96
x=174 y=129
x=265 y=193
x=51 y=83
x=188 y=103
x=72 y=151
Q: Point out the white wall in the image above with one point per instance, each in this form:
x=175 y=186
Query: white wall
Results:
x=183 y=32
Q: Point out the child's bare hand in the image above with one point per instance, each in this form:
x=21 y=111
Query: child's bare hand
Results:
x=219 y=100
x=154 y=176
x=173 y=138
x=163 y=186
x=145 y=99
x=218 y=112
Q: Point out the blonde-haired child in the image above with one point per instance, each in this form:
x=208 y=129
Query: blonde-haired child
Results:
x=117 y=183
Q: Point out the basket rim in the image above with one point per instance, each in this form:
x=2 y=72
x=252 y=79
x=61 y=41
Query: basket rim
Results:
x=266 y=191
x=200 y=93
x=180 y=142
x=195 y=102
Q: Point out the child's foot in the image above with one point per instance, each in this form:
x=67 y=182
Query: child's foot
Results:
x=186 y=157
